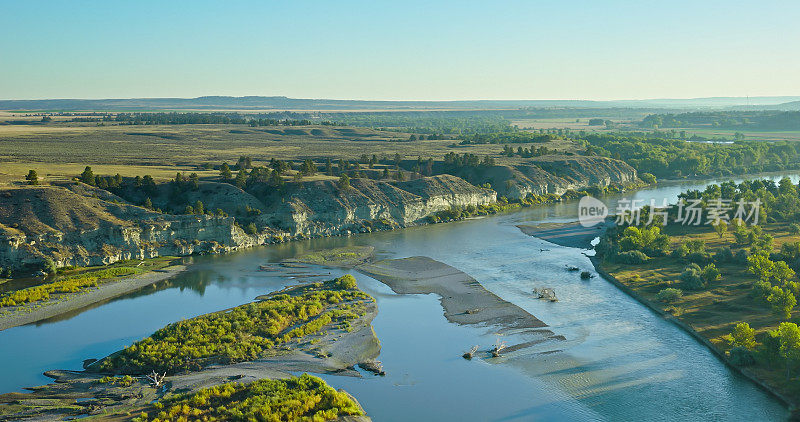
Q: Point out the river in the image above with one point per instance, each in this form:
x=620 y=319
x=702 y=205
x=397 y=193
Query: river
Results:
x=618 y=361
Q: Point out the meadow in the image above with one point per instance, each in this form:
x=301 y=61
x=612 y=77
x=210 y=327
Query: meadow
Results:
x=60 y=150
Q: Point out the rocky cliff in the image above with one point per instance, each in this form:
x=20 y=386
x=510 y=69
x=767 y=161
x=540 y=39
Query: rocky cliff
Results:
x=75 y=224
x=553 y=174
x=322 y=209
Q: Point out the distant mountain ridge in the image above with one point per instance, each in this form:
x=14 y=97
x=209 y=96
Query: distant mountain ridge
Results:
x=286 y=103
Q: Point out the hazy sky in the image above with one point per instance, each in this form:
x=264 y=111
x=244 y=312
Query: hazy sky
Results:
x=401 y=49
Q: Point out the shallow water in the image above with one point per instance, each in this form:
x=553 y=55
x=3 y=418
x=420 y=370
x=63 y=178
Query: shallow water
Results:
x=618 y=362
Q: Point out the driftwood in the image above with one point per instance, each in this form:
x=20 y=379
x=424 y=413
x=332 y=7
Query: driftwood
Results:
x=545 y=293
x=374 y=366
x=156 y=379
x=471 y=353
x=573 y=268
x=498 y=347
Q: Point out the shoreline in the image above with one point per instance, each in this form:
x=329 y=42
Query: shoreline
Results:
x=697 y=336
x=597 y=263
x=334 y=350
x=463 y=299
x=35 y=312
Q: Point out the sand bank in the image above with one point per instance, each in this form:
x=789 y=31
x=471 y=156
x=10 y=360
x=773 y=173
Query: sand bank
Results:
x=64 y=303
x=464 y=300
x=572 y=235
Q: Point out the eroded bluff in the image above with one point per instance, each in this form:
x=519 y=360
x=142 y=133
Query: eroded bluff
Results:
x=75 y=224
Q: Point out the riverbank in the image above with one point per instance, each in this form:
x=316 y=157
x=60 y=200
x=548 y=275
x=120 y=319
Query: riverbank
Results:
x=570 y=235
x=69 y=302
x=657 y=309
x=333 y=341
x=464 y=300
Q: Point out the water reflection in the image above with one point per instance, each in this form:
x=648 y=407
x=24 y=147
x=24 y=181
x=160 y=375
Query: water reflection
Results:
x=618 y=361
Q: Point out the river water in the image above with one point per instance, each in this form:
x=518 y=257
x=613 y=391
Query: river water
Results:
x=618 y=361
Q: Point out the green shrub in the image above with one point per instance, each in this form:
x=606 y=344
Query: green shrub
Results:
x=251 y=228
x=669 y=295
x=723 y=255
x=303 y=398
x=631 y=257
x=692 y=279
x=242 y=333
x=347 y=282
x=710 y=273
x=648 y=178
x=70 y=284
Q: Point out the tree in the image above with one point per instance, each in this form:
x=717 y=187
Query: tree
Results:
x=198 y=208
x=225 y=172
x=344 y=182
x=789 y=341
x=783 y=301
x=241 y=178
x=650 y=240
x=32 y=177
x=308 y=168
x=648 y=178
x=721 y=228
x=710 y=273
x=692 y=279
x=148 y=203
x=743 y=336
x=669 y=295
x=88 y=176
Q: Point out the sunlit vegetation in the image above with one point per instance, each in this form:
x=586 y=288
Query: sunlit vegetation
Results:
x=65 y=284
x=752 y=120
x=123 y=381
x=738 y=287
x=674 y=158
x=432 y=124
x=303 y=398
x=242 y=333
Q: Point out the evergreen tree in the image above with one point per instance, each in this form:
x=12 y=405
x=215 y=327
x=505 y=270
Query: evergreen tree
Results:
x=32 y=177
x=88 y=176
x=241 y=178
x=225 y=172
x=344 y=182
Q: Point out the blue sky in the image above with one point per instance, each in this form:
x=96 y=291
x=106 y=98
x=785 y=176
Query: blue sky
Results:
x=400 y=49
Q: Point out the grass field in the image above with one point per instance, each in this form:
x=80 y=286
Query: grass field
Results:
x=62 y=149
x=713 y=312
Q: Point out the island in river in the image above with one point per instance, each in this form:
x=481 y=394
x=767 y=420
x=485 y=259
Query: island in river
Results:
x=322 y=327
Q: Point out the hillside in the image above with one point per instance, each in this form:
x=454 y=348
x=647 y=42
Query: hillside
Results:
x=75 y=224
x=70 y=223
x=552 y=174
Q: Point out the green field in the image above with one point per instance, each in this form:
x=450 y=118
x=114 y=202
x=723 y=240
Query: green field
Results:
x=714 y=311
x=61 y=150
